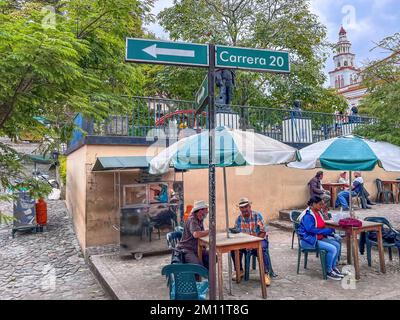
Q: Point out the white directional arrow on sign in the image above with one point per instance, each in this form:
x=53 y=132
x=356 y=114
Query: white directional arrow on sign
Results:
x=201 y=95
x=154 y=51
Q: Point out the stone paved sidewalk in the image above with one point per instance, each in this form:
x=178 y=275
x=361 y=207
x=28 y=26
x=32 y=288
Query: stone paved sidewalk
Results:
x=46 y=265
x=142 y=279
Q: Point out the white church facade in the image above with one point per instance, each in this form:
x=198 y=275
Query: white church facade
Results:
x=346 y=77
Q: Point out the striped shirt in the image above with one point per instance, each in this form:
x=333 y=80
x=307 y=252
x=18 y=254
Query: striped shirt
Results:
x=252 y=224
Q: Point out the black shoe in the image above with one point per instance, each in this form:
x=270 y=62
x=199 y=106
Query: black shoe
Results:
x=367 y=207
x=333 y=276
x=337 y=272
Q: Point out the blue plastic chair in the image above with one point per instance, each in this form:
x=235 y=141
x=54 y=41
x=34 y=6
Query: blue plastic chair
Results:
x=321 y=253
x=253 y=254
x=370 y=243
x=182 y=281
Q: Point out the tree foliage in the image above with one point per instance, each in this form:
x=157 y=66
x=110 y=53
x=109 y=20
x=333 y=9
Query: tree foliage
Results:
x=382 y=79
x=60 y=57
x=273 y=24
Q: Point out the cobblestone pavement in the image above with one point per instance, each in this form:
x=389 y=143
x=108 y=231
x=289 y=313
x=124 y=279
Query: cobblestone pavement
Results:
x=46 y=265
x=142 y=279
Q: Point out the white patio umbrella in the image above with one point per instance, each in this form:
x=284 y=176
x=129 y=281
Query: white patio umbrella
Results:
x=232 y=148
x=352 y=153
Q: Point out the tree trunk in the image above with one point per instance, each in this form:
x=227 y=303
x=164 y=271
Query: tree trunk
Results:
x=5 y=112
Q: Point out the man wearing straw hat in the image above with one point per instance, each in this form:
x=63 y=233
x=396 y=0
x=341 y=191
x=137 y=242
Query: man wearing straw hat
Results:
x=192 y=231
x=251 y=222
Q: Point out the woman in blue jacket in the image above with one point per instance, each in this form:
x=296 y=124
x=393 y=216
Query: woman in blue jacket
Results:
x=312 y=232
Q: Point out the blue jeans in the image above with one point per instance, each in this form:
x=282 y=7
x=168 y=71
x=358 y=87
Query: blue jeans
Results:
x=343 y=199
x=333 y=248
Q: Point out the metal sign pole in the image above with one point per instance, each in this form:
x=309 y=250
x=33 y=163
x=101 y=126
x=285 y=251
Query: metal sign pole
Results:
x=211 y=174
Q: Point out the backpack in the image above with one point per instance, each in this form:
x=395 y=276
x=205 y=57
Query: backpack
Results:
x=177 y=256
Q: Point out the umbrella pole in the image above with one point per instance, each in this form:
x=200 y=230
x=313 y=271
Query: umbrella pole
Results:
x=227 y=233
x=226 y=205
x=350 y=194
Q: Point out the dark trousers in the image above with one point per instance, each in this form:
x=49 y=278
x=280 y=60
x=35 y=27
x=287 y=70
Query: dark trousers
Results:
x=267 y=261
x=192 y=257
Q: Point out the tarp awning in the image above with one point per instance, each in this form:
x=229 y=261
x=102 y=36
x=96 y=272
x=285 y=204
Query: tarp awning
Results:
x=40 y=159
x=115 y=163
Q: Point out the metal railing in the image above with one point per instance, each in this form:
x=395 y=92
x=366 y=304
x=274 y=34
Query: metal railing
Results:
x=165 y=117
x=293 y=126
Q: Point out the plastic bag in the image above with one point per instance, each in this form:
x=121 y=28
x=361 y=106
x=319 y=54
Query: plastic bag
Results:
x=55 y=194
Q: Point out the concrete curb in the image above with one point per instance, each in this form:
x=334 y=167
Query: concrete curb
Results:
x=106 y=278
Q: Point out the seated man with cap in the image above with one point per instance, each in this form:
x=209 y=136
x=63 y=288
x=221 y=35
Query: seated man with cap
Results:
x=251 y=222
x=193 y=230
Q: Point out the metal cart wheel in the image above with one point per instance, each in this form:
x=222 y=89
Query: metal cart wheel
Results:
x=138 y=255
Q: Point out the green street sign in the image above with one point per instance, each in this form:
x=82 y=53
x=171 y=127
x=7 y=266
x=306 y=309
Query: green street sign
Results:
x=202 y=93
x=166 y=52
x=252 y=59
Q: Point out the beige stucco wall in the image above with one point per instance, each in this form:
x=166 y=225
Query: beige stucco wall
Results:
x=76 y=192
x=93 y=201
x=271 y=188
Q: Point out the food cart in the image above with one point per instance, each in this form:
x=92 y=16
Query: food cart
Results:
x=149 y=206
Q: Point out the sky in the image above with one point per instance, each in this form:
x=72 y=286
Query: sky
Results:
x=366 y=22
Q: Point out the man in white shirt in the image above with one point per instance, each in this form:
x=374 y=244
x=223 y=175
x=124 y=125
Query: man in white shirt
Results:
x=343 y=179
x=357 y=177
x=358 y=180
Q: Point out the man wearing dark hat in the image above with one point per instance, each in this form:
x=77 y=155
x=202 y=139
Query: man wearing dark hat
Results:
x=251 y=222
x=192 y=231
x=316 y=190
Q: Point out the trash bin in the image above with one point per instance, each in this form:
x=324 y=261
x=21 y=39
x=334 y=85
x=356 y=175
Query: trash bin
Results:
x=24 y=212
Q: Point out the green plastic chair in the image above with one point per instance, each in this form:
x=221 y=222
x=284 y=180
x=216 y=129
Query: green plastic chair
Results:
x=383 y=193
x=370 y=243
x=182 y=280
x=294 y=214
x=319 y=252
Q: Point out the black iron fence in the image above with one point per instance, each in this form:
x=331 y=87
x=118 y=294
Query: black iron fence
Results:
x=294 y=126
x=149 y=116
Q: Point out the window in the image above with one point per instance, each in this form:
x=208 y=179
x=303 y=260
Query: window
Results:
x=345 y=63
x=338 y=64
x=134 y=195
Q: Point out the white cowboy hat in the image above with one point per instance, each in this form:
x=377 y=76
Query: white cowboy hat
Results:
x=244 y=202
x=198 y=205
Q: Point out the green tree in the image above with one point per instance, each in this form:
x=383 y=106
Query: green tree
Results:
x=382 y=79
x=273 y=24
x=61 y=57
